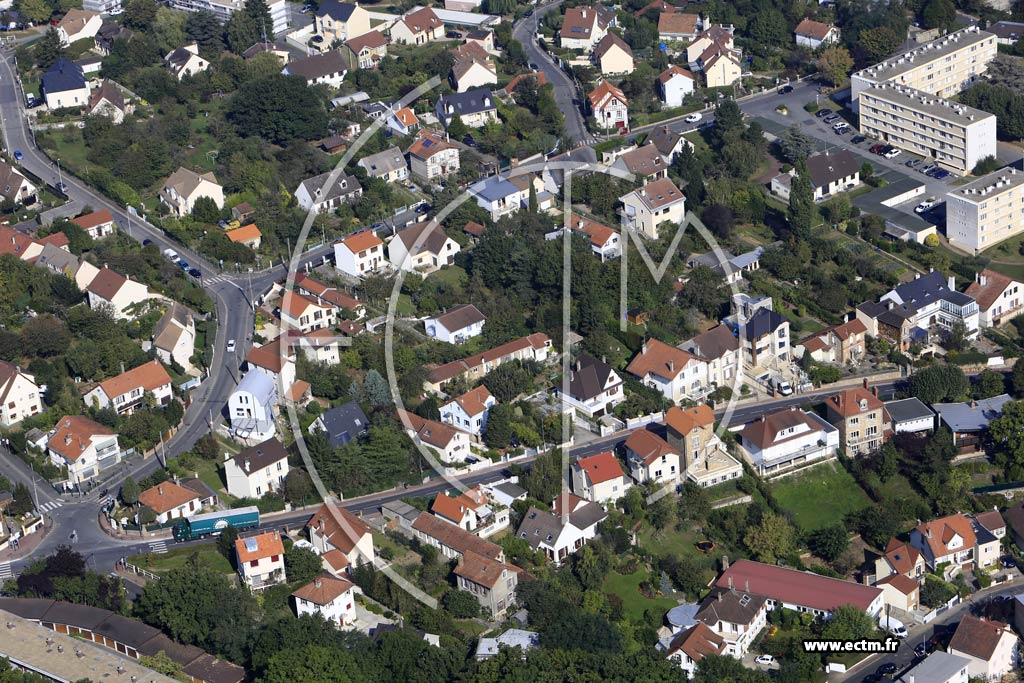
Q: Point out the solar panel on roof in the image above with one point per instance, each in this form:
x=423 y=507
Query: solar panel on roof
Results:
x=252 y=545
x=428 y=143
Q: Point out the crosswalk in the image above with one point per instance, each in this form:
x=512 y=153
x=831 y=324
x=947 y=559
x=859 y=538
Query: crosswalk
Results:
x=51 y=506
x=104 y=500
x=158 y=547
x=5 y=571
x=215 y=278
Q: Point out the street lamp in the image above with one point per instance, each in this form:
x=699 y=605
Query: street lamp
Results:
x=60 y=179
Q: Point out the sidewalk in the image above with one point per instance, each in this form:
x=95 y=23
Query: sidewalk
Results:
x=27 y=544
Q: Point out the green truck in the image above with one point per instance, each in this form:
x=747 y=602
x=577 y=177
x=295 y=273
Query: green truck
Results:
x=213 y=523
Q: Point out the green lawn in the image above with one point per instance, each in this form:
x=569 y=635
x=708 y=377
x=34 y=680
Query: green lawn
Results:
x=207 y=556
x=820 y=496
x=627 y=587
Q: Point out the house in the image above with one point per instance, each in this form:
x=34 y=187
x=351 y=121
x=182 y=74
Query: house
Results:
x=78 y=24
x=562 y=532
x=305 y=313
x=934 y=304
x=451 y=444
x=1000 y=298
x=843 y=344
x=127 y=391
x=341 y=424
x=604 y=241
x=938 y=667
x=320 y=345
x=368 y=49
x=802 y=591
x=677 y=374
x=475 y=108
x=482 y=37
x=109 y=32
x=333 y=528
x=1006 y=32
x=645 y=209
x=20 y=396
x=957 y=541
x=418 y=28
x=678 y=27
x=468 y=412
x=63 y=85
x=174 y=336
x=765 y=338
x=512 y=638
x=84 y=447
x=275 y=360
x=612 y=56
x=787 y=438
x=969 y=421
x=537 y=79
x=814 y=34
x=184 y=187
x=721 y=68
x=170 y=501
x=96 y=224
x=599 y=478
x=583 y=27
x=472 y=68
x=330 y=597
x=422 y=247
x=266 y=47
x=326 y=68
x=107 y=100
x=120 y=294
x=833 y=172
x=260 y=560
x=453 y=541
x=340 y=21
x=324 y=193
x=901 y=559
x=248 y=235
x=389 y=165
x=594 y=387
x=860 y=416
x=715 y=36
x=251 y=406
x=645 y=162
x=243 y=213
x=431 y=156
x=900 y=592
x=500 y=197
x=185 y=61
x=703 y=457
x=609 y=106
x=456 y=325
x=736 y=616
x=534 y=347
x=15 y=188
x=675 y=83
x=910 y=415
x=257 y=470
x=720 y=349
x=359 y=254
x=688 y=647
x=990 y=647
x=652 y=459
x=492 y=582
x=472 y=511
x=403 y=121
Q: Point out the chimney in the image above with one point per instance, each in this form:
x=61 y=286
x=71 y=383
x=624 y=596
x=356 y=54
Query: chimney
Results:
x=974 y=404
x=874 y=390
x=746 y=585
x=730 y=585
x=247 y=465
x=865 y=382
x=952 y=282
x=318 y=582
x=160 y=490
x=725 y=562
x=671 y=366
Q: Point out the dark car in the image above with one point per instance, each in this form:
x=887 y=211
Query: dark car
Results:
x=857 y=139
x=941 y=174
x=871 y=678
x=887 y=669
x=878 y=149
x=453 y=34
x=534 y=67
x=832 y=117
x=18 y=155
x=147 y=242
x=194 y=273
x=822 y=113
x=529 y=13
x=1008 y=562
x=785 y=90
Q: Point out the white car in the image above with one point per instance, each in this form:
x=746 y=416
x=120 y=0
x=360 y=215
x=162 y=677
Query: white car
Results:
x=765 y=660
x=925 y=205
x=892 y=154
x=841 y=126
x=693 y=118
x=231 y=346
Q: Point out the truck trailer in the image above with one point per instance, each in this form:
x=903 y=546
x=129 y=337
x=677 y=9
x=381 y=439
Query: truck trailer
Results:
x=213 y=523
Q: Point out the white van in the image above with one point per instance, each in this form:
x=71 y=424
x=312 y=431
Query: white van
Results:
x=892 y=626
x=171 y=255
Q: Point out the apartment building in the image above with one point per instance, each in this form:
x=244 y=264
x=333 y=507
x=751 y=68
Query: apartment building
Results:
x=986 y=211
x=224 y=9
x=951 y=134
x=942 y=67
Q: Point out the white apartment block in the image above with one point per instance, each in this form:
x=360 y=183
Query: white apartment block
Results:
x=223 y=9
x=952 y=134
x=986 y=211
x=942 y=67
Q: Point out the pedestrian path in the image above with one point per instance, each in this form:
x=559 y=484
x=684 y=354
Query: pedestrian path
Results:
x=5 y=571
x=51 y=506
x=158 y=547
x=102 y=502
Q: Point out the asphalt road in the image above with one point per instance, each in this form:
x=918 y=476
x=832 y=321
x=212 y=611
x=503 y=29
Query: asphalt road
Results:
x=564 y=88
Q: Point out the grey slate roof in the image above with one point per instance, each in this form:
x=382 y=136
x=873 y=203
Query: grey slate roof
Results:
x=539 y=526
x=763 y=322
x=929 y=288
x=832 y=166
x=907 y=409
x=494 y=188
x=261 y=455
x=469 y=102
x=344 y=186
x=344 y=423
x=62 y=77
x=973 y=416
x=339 y=11
x=383 y=163
x=938 y=667
x=588 y=377
x=714 y=343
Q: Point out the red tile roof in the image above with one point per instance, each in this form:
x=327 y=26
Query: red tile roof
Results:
x=599 y=234
x=854 y=401
x=361 y=241
x=678 y=22
x=795 y=587
x=978 y=637
x=73 y=436
x=323 y=590
x=684 y=421
x=91 y=220
x=657 y=357
x=342 y=528
x=474 y=401
x=246 y=233
x=649 y=446
x=166 y=497
x=813 y=29
x=604 y=90
x=673 y=70
x=698 y=641
x=939 y=532
x=986 y=294
x=901 y=582
x=150 y=376
x=267 y=545
x=601 y=467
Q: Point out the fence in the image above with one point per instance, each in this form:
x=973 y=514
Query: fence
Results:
x=955 y=600
x=139 y=571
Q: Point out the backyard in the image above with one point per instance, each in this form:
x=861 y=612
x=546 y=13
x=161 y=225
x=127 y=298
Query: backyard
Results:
x=635 y=603
x=820 y=496
x=205 y=556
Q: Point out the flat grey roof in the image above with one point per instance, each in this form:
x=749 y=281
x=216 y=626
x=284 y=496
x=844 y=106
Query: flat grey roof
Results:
x=920 y=101
x=929 y=52
x=908 y=409
x=991 y=185
x=938 y=667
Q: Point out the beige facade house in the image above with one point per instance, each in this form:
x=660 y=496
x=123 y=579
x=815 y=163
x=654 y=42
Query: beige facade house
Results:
x=184 y=187
x=612 y=56
x=677 y=374
x=599 y=478
x=678 y=27
x=120 y=294
x=900 y=592
x=368 y=49
x=986 y=211
x=83 y=446
x=721 y=67
x=174 y=336
x=492 y=582
x=260 y=560
x=170 y=501
x=14 y=186
x=860 y=416
x=127 y=392
x=841 y=344
x=714 y=36
x=78 y=24
x=20 y=396
x=704 y=458
x=431 y=157
x=472 y=67
x=645 y=209
x=652 y=459
x=340 y=21
x=257 y=470
x=990 y=646
x=333 y=528
x=107 y=100
x=450 y=443
x=957 y=542
x=422 y=247
x=418 y=28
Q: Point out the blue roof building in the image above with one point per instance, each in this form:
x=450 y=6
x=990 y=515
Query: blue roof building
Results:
x=63 y=85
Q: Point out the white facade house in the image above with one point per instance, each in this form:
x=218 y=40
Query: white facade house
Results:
x=990 y=646
x=609 y=106
x=359 y=254
x=787 y=438
x=1000 y=297
x=260 y=560
x=468 y=412
x=121 y=295
x=330 y=597
x=594 y=387
x=170 y=501
x=184 y=187
x=83 y=446
x=63 y=85
x=251 y=406
x=315 y=194
x=185 y=61
x=814 y=34
x=599 y=478
x=657 y=203
x=20 y=396
x=674 y=84
x=676 y=373
x=452 y=445
x=174 y=336
x=456 y=325
x=257 y=470
x=560 y=533
x=422 y=247
x=934 y=302
x=127 y=392
x=652 y=459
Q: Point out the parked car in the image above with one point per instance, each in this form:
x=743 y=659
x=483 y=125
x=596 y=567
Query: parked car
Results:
x=1008 y=562
x=147 y=242
x=694 y=117
x=534 y=67
x=822 y=113
x=926 y=205
x=832 y=117
x=878 y=149
x=184 y=265
x=841 y=127
x=18 y=155
x=765 y=660
x=194 y=272
x=927 y=168
x=529 y=13
x=231 y=346
x=891 y=153
x=857 y=139
x=785 y=90
x=887 y=669
x=941 y=174
x=913 y=163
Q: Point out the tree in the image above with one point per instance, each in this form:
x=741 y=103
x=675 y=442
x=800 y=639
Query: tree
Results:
x=986 y=166
x=938 y=14
x=989 y=383
x=140 y=15
x=129 y=492
x=226 y=541
x=769 y=28
x=802 y=213
x=279 y=109
x=48 y=50
x=1007 y=431
x=726 y=669
x=704 y=291
x=206 y=30
x=1017 y=377
x=498 y=433
x=938 y=383
x=36 y=11
x=877 y=43
x=376 y=389
x=728 y=119
x=313 y=663
x=720 y=220
x=301 y=564
x=544 y=481
x=297 y=486
x=835 y=64
x=848 y=623
x=796 y=145
x=461 y=604
x=830 y=542
x=23 y=503
x=205 y=210
x=772 y=539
